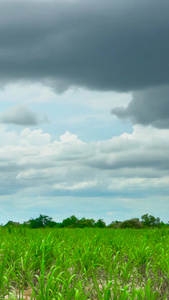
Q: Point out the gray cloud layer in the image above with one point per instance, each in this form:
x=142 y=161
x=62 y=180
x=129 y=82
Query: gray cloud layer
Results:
x=106 y=45
x=22 y=115
x=149 y=107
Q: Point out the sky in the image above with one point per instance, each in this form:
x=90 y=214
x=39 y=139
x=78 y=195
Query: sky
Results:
x=84 y=109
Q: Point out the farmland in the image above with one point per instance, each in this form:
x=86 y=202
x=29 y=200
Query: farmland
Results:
x=88 y=263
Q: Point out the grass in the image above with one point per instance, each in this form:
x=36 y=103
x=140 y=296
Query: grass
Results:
x=84 y=264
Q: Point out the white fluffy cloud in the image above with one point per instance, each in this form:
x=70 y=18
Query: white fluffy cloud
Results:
x=31 y=160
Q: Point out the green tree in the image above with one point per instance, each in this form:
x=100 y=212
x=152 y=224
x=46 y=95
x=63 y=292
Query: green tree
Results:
x=41 y=222
x=86 y=223
x=70 y=222
x=100 y=223
x=150 y=221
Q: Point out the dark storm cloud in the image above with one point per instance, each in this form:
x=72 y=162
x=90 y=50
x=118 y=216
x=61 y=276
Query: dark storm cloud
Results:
x=21 y=115
x=149 y=107
x=107 y=45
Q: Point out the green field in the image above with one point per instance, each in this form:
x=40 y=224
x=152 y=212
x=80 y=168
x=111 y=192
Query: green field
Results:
x=84 y=264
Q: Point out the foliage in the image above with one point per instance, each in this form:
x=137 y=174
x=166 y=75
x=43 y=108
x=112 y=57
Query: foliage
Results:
x=41 y=222
x=150 y=221
x=132 y=223
x=11 y=223
x=90 y=263
x=82 y=223
x=100 y=223
x=70 y=222
x=114 y=224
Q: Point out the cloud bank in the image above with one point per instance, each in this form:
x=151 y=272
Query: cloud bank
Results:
x=31 y=162
x=111 y=45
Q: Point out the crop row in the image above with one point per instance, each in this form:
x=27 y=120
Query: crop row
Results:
x=84 y=264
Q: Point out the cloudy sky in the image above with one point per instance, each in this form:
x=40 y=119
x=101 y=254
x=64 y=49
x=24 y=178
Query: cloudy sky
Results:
x=84 y=109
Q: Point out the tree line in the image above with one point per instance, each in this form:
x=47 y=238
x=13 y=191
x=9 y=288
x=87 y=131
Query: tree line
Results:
x=43 y=221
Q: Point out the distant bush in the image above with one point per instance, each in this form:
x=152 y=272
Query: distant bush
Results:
x=11 y=223
x=114 y=224
x=132 y=223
